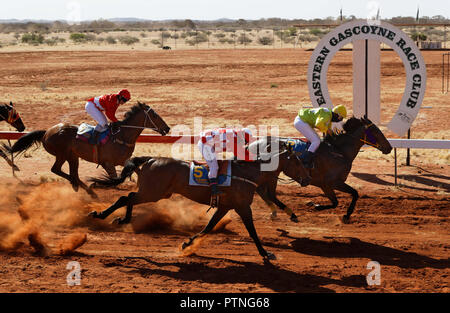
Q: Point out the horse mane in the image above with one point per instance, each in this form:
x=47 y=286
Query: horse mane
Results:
x=4 y=111
x=132 y=112
x=350 y=126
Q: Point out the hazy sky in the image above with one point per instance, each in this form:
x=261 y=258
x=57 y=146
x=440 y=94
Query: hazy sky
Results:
x=215 y=9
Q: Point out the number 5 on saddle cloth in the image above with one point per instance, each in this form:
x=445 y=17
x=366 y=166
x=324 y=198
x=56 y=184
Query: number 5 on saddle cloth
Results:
x=198 y=176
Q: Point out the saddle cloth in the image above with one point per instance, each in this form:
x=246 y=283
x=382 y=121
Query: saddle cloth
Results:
x=85 y=132
x=298 y=146
x=198 y=174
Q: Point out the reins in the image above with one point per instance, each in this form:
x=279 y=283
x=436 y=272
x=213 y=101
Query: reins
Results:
x=155 y=128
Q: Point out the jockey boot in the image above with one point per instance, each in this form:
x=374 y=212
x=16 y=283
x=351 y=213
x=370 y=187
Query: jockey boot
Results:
x=214 y=188
x=307 y=159
x=94 y=137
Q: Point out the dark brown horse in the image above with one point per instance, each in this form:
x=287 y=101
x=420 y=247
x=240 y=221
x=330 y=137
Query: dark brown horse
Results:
x=333 y=162
x=159 y=178
x=60 y=141
x=9 y=114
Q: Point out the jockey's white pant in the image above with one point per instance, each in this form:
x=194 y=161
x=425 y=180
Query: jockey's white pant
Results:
x=97 y=115
x=209 y=155
x=308 y=132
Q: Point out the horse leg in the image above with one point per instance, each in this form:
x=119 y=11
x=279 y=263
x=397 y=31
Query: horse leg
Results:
x=10 y=163
x=330 y=194
x=218 y=215
x=56 y=169
x=347 y=189
x=133 y=199
x=268 y=194
x=110 y=169
x=73 y=166
x=262 y=192
x=246 y=215
x=123 y=201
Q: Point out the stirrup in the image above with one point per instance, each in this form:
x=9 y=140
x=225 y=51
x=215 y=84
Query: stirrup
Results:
x=214 y=202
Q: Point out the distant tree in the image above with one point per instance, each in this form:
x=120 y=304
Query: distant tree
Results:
x=189 y=24
x=265 y=40
x=128 y=40
x=241 y=22
x=244 y=39
x=78 y=37
x=418 y=37
x=32 y=39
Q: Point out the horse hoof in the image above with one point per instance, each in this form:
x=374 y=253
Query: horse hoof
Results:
x=184 y=246
x=119 y=221
x=346 y=219
x=273 y=216
x=318 y=207
x=270 y=256
x=305 y=182
x=116 y=221
x=93 y=214
x=294 y=218
x=75 y=188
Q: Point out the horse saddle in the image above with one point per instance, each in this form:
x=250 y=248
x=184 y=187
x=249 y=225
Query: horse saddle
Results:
x=298 y=146
x=198 y=174
x=85 y=132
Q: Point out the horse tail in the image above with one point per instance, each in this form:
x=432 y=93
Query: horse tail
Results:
x=130 y=167
x=25 y=142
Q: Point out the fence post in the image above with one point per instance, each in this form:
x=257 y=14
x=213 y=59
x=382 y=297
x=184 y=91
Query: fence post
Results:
x=395 y=171
x=408 y=156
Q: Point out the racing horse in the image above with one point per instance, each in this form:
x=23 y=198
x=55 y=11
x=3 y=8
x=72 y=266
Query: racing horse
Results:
x=9 y=114
x=60 y=141
x=160 y=177
x=332 y=163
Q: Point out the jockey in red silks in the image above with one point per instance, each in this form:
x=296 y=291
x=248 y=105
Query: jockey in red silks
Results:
x=107 y=104
x=221 y=140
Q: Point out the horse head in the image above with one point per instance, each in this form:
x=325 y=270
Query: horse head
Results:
x=148 y=118
x=280 y=157
x=374 y=137
x=367 y=132
x=11 y=116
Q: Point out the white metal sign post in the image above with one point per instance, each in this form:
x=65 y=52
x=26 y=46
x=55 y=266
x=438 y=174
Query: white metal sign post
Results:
x=366 y=86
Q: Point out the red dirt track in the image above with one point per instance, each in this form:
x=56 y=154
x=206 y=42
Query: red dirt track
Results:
x=405 y=228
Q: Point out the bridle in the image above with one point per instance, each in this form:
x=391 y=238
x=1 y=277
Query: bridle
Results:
x=368 y=136
x=147 y=117
x=13 y=116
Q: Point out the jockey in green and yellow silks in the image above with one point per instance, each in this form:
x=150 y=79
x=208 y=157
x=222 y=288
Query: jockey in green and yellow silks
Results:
x=320 y=118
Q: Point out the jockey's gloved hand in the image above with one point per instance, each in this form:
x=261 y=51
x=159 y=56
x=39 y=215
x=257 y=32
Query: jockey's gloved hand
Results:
x=114 y=125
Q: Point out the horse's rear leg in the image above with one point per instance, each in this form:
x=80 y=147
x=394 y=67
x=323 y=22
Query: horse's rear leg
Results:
x=218 y=215
x=123 y=201
x=347 y=189
x=129 y=201
x=133 y=199
x=246 y=216
x=56 y=169
x=110 y=169
x=268 y=194
x=73 y=166
x=330 y=194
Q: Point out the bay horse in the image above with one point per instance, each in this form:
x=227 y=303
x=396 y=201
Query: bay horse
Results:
x=60 y=141
x=9 y=114
x=160 y=177
x=332 y=163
